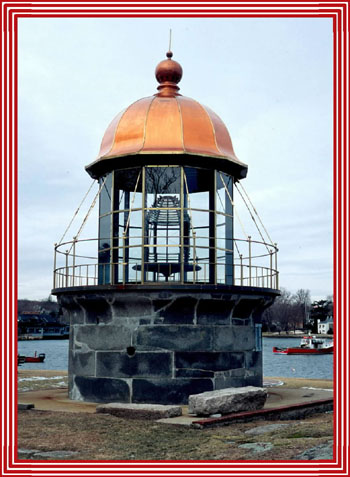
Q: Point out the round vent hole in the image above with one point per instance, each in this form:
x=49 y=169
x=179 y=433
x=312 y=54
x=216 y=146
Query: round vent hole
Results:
x=131 y=350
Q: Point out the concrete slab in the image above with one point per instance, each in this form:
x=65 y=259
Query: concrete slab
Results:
x=293 y=392
x=139 y=411
x=55 y=400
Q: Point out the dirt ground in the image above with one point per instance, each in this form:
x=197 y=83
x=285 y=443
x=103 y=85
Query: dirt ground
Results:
x=104 y=437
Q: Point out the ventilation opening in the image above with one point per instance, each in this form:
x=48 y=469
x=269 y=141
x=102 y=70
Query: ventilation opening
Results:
x=131 y=350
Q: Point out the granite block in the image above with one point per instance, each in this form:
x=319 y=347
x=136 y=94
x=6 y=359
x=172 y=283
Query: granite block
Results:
x=168 y=391
x=206 y=362
x=82 y=363
x=234 y=338
x=180 y=311
x=128 y=307
x=104 y=337
x=97 y=309
x=100 y=389
x=140 y=364
x=175 y=338
x=214 y=312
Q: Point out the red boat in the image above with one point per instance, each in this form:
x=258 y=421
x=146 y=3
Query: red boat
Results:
x=308 y=345
x=31 y=359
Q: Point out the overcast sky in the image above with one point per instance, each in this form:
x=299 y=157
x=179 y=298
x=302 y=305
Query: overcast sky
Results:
x=270 y=81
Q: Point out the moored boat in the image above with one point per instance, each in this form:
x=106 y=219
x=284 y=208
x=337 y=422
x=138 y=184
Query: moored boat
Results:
x=31 y=359
x=20 y=360
x=308 y=345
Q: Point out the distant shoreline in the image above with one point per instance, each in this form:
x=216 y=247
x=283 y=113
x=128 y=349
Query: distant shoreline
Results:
x=284 y=335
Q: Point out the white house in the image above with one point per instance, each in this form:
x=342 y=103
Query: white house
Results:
x=324 y=326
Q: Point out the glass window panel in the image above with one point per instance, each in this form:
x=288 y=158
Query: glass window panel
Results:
x=133 y=242
x=135 y=223
x=117 y=193
x=135 y=253
x=163 y=180
x=163 y=223
x=116 y=217
x=126 y=180
x=104 y=267
x=105 y=194
x=224 y=227
x=136 y=200
x=221 y=198
x=200 y=219
x=198 y=180
x=105 y=232
x=198 y=201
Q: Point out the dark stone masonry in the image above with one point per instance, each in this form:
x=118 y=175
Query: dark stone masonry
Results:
x=157 y=345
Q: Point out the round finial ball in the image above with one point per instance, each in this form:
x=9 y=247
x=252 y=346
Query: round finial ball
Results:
x=169 y=70
x=169 y=54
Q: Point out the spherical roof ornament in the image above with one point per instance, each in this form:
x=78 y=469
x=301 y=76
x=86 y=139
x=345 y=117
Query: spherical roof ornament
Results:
x=165 y=124
x=168 y=74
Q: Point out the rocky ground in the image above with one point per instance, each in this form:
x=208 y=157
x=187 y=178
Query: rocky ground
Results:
x=81 y=436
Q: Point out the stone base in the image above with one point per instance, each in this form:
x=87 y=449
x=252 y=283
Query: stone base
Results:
x=139 y=411
x=149 y=345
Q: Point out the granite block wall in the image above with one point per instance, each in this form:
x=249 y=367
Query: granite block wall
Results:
x=160 y=346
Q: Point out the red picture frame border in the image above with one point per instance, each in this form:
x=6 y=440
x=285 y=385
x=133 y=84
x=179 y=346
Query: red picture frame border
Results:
x=10 y=13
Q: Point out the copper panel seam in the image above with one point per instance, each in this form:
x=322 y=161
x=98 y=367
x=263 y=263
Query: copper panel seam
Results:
x=163 y=128
x=222 y=135
x=145 y=124
x=109 y=136
x=129 y=144
x=198 y=131
x=182 y=124
x=213 y=128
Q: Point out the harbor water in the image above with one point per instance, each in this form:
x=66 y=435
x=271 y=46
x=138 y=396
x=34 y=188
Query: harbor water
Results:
x=300 y=366
x=294 y=366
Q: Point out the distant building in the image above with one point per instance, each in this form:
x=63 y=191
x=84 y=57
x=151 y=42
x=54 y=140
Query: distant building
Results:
x=40 y=325
x=325 y=326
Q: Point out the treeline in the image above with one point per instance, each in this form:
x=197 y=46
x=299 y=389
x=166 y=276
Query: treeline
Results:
x=292 y=312
x=47 y=304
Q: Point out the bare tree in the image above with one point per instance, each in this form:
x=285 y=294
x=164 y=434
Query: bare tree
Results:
x=288 y=312
x=302 y=301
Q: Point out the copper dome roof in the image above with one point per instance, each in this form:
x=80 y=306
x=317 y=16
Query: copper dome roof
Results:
x=166 y=124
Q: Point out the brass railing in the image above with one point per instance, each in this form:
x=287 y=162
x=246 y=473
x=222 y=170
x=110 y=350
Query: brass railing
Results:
x=253 y=263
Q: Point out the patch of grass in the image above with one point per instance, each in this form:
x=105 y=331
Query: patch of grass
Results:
x=105 y=437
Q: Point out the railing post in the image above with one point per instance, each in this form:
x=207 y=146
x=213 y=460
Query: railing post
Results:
x=54 y=266
x=73 y=271
x=241 y=259
x=233 y=264
x=276 y=271
x=194 y=257
x=124 y=258
x=67 y=252
x=143 y=238
x=250 y=259
x=262 y=277
x=270 y=268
